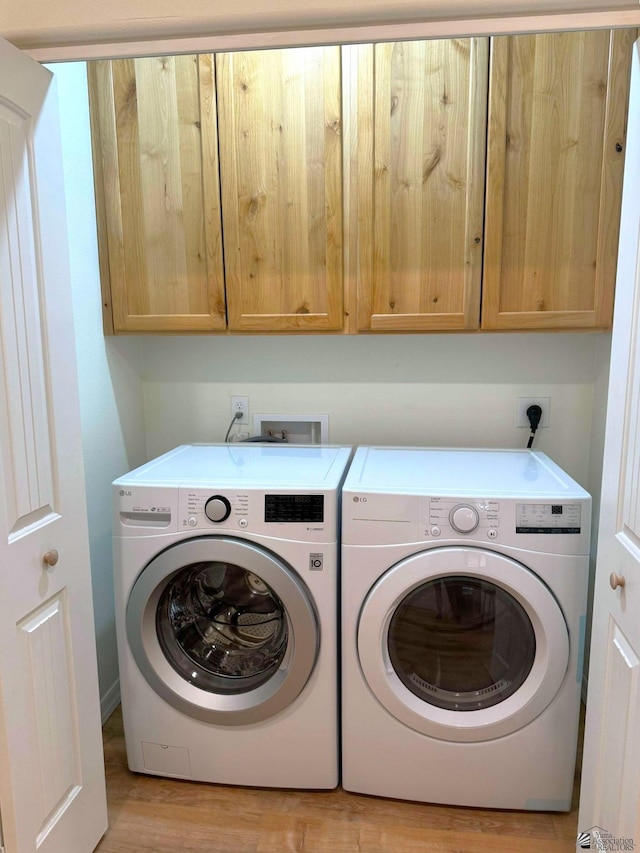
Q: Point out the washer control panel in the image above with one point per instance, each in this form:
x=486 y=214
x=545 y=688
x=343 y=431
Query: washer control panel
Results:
x=303 y=516
x=204 y=509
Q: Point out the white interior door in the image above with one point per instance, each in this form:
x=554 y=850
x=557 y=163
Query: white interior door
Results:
x=610 y=794
x=52 y=787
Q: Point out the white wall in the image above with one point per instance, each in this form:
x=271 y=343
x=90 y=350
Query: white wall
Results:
x=458 y=390
x=594 y=485
x=109 y=369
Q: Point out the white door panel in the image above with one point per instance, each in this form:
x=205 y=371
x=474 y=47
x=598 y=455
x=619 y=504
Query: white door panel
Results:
x=27 y=481
x=610 y=793
x=617 y=775
x=52 y=791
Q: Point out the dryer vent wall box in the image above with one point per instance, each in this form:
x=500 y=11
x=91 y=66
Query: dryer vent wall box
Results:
x=226 y=583
x=294 y=429
x=464 y=586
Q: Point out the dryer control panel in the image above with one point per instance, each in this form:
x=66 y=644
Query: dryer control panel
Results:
x=459 y=516
x=550 y=526
x=556 y=518
x=507 y=521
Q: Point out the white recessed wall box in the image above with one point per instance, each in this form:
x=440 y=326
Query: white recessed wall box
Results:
x=296 y=429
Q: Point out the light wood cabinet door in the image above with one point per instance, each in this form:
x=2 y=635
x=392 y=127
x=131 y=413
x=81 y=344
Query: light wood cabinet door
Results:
x=420 y=141
x=158 y=201
x=557 y=115
x=281 y=176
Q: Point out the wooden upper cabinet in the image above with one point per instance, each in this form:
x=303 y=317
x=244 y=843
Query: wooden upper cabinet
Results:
x=158 y=201
x=420 y=142
x=222 y=203
x=280 y=125
x=557 y=113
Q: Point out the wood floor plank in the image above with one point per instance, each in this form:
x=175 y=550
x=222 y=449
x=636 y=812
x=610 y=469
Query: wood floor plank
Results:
x=150 y=814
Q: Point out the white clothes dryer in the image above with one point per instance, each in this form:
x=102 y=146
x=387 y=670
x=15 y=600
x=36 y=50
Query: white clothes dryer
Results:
x=226 y=590
x=464 y=586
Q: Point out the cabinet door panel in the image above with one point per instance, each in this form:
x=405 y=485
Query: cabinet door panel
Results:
x=421 y=197
x=557 y=110
x=155 y=140
x=281 y=176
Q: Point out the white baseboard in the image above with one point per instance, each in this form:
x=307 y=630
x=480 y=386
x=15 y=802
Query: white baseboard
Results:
x=110 y=701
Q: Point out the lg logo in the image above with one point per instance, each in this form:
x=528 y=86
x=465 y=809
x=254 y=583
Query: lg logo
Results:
x=356 y=500
x=123 y=494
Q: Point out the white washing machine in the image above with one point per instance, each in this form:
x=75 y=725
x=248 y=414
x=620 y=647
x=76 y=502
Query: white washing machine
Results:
x=226 y=589
x=464 y=587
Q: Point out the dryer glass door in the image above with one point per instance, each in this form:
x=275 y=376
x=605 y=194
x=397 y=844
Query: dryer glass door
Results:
x=462 y=644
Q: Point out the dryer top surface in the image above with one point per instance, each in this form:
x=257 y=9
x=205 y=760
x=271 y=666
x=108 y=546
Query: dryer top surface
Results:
x=239 y=465
x=460 y=471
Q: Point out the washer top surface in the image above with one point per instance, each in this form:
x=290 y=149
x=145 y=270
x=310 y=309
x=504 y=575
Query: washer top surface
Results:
x=454 y=471
x=239 y=465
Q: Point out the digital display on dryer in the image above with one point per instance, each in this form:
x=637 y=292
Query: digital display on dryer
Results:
x=297 y=509
x=548 y=518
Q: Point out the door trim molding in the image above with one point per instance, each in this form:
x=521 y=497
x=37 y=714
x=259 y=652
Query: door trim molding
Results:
x=460 y=27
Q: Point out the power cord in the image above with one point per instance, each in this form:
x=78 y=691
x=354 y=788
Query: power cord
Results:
x=236 y=417
x=534 y=414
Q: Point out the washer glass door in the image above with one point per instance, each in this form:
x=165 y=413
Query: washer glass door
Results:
x=223 y=630
x=462 y=644
x=222 y=626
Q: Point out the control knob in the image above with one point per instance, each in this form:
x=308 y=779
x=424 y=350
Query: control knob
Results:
x=217 y=508
x=464 y=518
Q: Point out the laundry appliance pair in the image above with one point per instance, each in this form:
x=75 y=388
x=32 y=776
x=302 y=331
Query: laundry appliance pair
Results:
x=463 y=586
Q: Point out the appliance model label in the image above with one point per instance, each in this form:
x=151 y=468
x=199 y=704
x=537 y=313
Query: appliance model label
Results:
x=548 y=518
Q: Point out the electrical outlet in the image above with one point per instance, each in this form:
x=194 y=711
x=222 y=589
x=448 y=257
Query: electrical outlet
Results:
x=523 y=404
x=240 y=404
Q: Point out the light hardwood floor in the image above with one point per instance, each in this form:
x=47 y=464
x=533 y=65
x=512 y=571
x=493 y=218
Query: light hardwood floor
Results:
x=149 y=814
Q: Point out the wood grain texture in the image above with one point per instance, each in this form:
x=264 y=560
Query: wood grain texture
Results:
x=352 y=63
x=95 y=79
x=280 y=120
x=154 y=815
x=157 y=143
x=420 y=265
x=557 y=108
